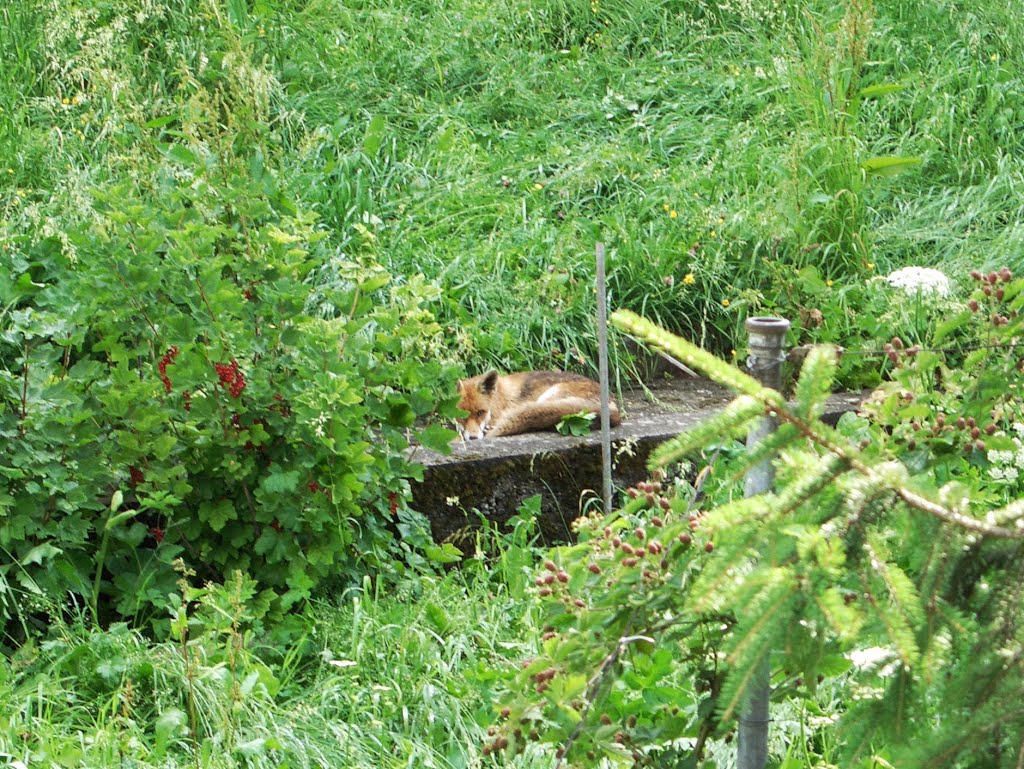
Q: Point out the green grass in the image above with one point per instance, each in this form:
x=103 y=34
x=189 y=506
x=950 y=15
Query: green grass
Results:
x=388 y=681
x=489 y=147
x=380 y=675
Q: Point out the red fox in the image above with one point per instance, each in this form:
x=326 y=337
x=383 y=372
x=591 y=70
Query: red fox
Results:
x=525 y=402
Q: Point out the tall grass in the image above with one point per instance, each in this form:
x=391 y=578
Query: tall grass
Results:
x=488 y=147
x=389 y=681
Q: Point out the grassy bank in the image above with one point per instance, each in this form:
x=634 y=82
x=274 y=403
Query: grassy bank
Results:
x=714 y=148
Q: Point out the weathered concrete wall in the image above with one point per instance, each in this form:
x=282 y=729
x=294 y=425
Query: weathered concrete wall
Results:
x=495 y=475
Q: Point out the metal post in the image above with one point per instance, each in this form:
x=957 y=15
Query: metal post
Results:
x=767 y=339
x=602 y=358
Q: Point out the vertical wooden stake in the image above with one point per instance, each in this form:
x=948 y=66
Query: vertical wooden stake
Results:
x=602 y=358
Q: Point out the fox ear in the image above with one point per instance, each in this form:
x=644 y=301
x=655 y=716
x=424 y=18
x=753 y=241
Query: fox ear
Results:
x=488 y=382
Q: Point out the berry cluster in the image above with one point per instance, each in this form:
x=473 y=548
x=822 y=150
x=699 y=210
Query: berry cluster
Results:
x=315 y=487
x=895 y=348
x=962 y=429
x=166 y=361
x=231 y=377
x=642 y=556
x=990 y=288
x=281 y=406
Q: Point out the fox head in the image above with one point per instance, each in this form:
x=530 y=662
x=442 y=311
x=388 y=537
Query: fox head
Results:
x=476 y=395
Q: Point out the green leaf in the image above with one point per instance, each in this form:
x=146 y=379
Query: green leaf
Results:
x=577 y=424
x=170 y=723
x=951 y=324
x=400 y=414
x=40 y=553
x=815 y=381
x=257 y=746
x=438 y=617
x=374 y=136
x=899 y=607
x=281 y=482
x=160 y=122
x=890 y=165
x=882 y=89
x=444 y=553
x=217 y=514
x=437 y=437
x=178 y=153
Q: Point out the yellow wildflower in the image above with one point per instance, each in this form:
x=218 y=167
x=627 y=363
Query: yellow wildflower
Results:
x=725 y=303
x=711 y=234
x=688 y=279
x=871 y=265
x=828 y=282
x=538 y=186
x=672 y=214
x=666 y=206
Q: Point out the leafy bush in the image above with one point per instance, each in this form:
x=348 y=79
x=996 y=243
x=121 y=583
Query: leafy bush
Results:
x=172 y=386
x=886 y=563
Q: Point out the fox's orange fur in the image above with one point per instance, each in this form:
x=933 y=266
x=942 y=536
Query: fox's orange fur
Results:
x=525 y=402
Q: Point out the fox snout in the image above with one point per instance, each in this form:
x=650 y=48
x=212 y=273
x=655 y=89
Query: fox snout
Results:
x=474 y=426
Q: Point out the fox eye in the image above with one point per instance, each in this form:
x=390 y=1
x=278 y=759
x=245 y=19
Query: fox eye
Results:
x=480 y=413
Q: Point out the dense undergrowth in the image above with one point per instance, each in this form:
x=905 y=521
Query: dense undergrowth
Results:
x=246 y=244
x=383 y=676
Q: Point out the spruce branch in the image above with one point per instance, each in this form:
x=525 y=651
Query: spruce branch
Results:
x=813 y=430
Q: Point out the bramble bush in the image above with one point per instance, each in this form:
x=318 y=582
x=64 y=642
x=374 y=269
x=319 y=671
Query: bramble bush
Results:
x=885 y=569
x=194 y=373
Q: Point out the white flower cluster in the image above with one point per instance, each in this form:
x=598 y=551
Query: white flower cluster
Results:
x=920 y=280
x=1007 y=464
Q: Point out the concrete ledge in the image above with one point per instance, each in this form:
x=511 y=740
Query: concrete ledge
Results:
x=494 y=476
